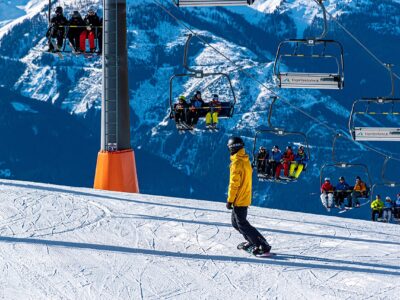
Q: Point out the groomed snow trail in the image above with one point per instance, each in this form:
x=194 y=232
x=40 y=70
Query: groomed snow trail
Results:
x=76 y=243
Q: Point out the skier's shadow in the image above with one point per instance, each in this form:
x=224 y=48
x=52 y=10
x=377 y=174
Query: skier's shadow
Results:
x=280 y=231
x=281 y=260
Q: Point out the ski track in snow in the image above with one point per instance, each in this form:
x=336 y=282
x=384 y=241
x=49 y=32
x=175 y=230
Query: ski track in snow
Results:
x=64 y=243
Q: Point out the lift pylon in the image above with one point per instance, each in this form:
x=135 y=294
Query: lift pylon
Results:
x=116 y=168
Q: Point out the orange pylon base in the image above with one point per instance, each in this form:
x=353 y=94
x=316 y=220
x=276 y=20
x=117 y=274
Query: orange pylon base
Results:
x=116 y=171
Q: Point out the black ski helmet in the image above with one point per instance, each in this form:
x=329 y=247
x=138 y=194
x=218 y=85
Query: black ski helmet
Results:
x=235 y=144
x=59 y=10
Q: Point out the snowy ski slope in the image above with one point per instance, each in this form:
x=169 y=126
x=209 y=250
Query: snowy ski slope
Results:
x=75 y=243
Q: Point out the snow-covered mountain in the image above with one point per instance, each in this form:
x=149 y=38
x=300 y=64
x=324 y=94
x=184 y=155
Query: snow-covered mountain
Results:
x=249 y=36
x=60 y=242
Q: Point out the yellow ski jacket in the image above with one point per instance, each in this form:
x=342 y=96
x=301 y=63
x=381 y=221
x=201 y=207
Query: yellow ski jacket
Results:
x=240 y=182
x=377 y=204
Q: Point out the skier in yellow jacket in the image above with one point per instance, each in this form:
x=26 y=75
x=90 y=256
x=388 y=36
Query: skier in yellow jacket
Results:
x=239 y=199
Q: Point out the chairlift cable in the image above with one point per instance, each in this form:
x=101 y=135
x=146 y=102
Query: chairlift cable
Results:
x=285 y=100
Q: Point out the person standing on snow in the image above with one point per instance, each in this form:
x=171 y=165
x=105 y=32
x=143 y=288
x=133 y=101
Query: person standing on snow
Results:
x=327 y=190
x=239 y=198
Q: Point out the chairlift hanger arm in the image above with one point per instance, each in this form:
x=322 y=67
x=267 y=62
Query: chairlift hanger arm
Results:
x=325 y=31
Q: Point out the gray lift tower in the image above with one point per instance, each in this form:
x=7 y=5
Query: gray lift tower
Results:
x=116 y=167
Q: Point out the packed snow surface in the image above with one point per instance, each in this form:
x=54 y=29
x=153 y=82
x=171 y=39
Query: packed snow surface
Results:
x=75 y=243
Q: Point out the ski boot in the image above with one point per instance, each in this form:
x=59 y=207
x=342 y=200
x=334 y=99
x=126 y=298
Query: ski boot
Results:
x=262 y=250
x=245 y=246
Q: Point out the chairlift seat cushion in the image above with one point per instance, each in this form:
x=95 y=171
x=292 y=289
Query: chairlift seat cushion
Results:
x=194 y=3
x=377 y=134
x=310 y=80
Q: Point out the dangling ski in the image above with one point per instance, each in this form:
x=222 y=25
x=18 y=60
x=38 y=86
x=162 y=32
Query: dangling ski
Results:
x=57 y=50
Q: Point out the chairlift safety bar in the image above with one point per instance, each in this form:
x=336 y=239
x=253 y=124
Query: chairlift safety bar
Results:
x=373 y=134
x=202 y=3
x=280 y=132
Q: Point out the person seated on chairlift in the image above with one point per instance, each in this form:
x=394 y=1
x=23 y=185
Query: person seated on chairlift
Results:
x=327 y=191
x=181 y=110
x=388 y=209
x=274 y=162
x=196 y=104
x=92 y=22
x=396 y=208
x=343 y=190
x=76 y=24
x=359 y=191
x=286 y=160
x=212 y=115
x=299 y=163
x=262 y=160
x=377 y=208
x=57 y=29
x=100 y=37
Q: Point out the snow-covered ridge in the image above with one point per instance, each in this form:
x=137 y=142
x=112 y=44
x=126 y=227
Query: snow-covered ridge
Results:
x=84 y=244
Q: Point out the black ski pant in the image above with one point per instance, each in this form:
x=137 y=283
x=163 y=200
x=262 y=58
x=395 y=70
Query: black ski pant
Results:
x=240 y=223
x=57 y=34
x=339 y=198
x=74 y=37
x=376 y=212
x=180 y=117
x=193 y=117
x=262 y=166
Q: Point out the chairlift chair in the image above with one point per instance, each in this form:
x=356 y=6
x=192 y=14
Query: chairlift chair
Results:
x=277 y=132
x=375 y=134
x=67 y=28
x=226 y=109
x=386 y=185
x=341 y=165
x=310 y=80
x=200 y=3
